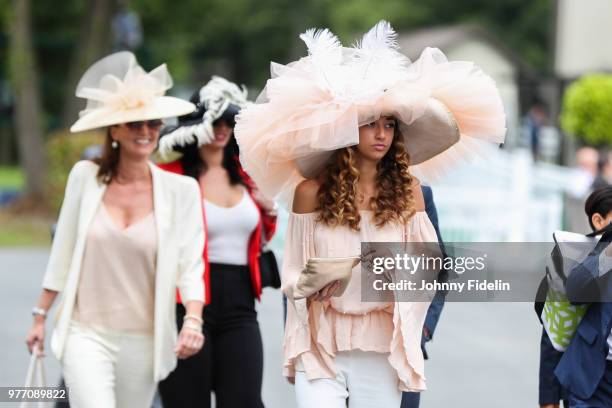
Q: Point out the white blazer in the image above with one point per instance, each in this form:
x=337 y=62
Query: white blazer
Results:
x=180 y=245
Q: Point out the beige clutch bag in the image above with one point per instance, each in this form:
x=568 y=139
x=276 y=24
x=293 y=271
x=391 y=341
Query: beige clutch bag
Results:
x=320 y=272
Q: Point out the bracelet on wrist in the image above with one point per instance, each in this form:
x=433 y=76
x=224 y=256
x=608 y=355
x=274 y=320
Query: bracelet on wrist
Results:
x=193 y=317
x=192 y=326
x=39 y=311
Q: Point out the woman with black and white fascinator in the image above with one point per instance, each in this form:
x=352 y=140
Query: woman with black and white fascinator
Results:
x=238 y=220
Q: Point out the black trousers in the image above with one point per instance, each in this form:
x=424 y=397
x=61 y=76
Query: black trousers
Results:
x=550 y=390
x=231 y=362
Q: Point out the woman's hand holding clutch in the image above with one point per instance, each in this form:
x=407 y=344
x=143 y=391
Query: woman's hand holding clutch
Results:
x=323 y=278
x=325 y=293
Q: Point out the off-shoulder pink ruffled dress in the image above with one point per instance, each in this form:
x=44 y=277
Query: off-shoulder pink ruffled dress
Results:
x=345 y=323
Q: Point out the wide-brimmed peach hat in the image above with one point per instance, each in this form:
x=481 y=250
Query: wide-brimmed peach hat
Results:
x=314 y=106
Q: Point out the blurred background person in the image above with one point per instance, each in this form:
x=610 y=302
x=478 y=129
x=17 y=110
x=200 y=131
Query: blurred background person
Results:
x=238 y=221
x=587 y=175
x=604 y=170
x=534 y=120
x=117 y=254
x=587 y=160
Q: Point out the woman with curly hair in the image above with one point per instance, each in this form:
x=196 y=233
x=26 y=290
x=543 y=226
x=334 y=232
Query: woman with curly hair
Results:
x=366 y=194
x=336 y=138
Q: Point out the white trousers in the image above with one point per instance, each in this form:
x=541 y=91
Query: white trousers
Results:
x=105 y=369
x=366 y=378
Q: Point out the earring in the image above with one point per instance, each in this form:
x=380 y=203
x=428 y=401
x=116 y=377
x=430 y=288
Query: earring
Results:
x=115 y=144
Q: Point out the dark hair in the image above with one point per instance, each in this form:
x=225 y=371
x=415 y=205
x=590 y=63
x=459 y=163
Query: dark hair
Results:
x=598 y=202
x=194 y=166
x=109 y=160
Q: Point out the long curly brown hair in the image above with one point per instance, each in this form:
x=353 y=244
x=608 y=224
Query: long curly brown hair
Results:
x=394 y=200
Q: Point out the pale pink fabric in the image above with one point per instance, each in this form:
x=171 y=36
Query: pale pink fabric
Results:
x=117 y=284
x=299 y=120
x=346 y=323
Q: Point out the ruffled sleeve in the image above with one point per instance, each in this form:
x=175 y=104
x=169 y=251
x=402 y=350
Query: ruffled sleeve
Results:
x=299 y=247
x=405 y=355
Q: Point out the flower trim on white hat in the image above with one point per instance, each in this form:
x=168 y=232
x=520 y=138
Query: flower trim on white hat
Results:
x=118 y=90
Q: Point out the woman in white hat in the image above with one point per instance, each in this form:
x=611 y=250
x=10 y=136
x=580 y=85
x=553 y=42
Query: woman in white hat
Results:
x=128 y=235
x=338 y=137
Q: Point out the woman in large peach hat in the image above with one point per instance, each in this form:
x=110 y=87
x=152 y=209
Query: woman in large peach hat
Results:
x=339 y=137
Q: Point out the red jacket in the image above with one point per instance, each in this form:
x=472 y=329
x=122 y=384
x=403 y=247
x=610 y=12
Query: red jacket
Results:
x=266 y=224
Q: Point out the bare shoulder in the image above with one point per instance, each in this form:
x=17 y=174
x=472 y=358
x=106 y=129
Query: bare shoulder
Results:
x=305 y=196
x=417 y=194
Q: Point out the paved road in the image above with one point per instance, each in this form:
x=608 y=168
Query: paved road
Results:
x=483 y=354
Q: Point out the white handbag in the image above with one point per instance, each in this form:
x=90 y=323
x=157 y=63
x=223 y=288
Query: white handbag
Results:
x=35 y=377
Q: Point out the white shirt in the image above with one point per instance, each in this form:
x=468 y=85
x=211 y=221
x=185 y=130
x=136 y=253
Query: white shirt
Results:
x=229 y=230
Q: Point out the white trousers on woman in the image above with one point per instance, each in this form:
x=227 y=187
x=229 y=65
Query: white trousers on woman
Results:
x=108 y=369
x=366 y=378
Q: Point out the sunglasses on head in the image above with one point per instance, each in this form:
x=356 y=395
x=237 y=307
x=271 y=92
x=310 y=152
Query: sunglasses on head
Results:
x=151 y=124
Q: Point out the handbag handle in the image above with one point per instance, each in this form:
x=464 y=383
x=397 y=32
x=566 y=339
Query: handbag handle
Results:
x=35 y=367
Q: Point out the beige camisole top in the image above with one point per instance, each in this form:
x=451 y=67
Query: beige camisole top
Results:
x=117 y=283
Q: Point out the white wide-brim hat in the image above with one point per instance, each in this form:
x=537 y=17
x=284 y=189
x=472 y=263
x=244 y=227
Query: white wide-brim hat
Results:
x=118 y=90
x=315 y=106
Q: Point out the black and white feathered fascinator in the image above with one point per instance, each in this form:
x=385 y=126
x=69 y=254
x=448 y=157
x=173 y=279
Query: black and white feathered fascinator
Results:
x=218 y=99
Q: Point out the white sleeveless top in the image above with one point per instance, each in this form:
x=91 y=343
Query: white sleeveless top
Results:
x=229 y=230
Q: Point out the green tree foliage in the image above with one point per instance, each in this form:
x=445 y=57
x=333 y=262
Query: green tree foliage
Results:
x=55 y=33
x=63 y=150
x=239 y=38
x=198 y=37
x=587 y=110
x=235 y=38
x=525 y=26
